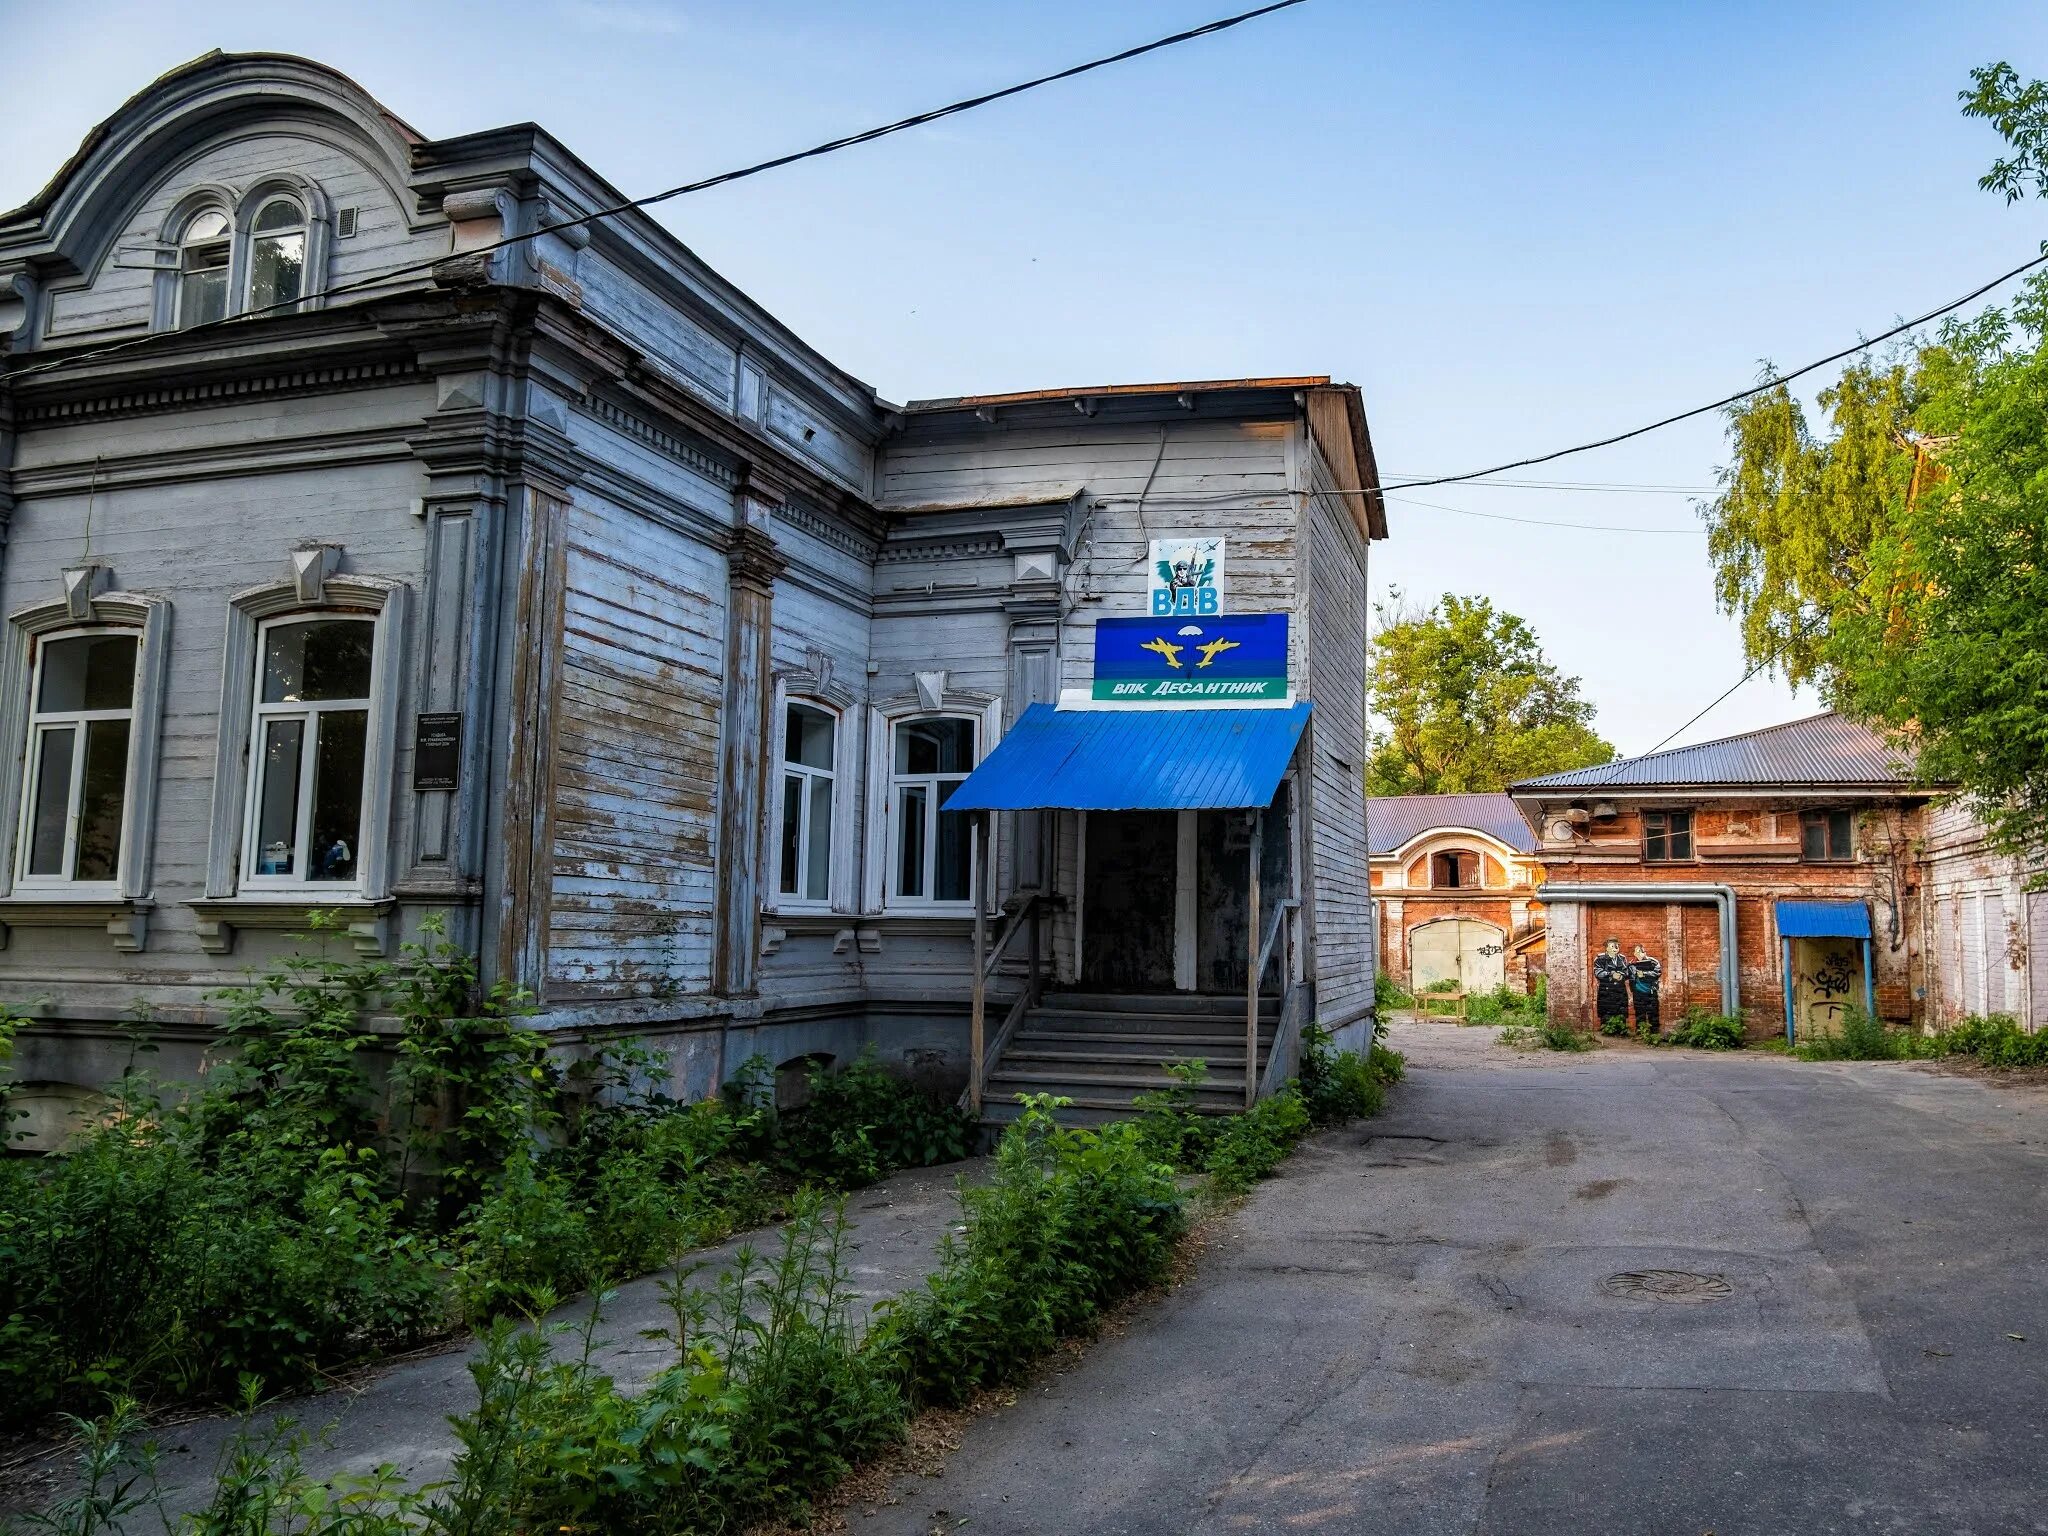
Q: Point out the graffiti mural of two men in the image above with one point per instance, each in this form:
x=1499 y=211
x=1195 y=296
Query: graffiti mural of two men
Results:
x=1622 y=985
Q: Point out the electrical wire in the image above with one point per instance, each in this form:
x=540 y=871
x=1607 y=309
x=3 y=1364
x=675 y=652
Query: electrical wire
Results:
x=1728 y=400
x=1776 y=651
x=830 y=146
x=1538 y=522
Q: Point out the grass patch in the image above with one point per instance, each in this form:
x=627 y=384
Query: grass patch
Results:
x=1545 y=1035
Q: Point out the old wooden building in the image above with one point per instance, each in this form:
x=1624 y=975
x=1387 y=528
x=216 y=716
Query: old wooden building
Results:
x=358 y=561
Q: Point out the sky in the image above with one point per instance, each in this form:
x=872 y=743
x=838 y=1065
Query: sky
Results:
x=1516 y=226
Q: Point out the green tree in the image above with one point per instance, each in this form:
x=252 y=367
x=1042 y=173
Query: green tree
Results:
x=1899 y=558
x=1466 y=700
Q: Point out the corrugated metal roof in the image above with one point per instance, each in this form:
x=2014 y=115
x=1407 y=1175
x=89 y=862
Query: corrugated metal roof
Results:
x=1827 y=749
x=1135 y=760
x=1393 y=820
x=1823 y=920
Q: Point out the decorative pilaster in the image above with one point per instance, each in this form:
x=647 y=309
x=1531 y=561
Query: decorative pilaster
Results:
x=752 y=565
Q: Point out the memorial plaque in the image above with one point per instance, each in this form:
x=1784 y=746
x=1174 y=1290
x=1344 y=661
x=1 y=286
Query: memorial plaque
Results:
x=437 y=752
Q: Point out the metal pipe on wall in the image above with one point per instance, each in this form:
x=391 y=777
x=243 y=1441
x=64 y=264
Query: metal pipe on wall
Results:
x=1687 y=894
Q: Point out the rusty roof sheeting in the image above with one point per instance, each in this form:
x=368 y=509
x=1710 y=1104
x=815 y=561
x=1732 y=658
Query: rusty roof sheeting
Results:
x=1826 y=749
x=1393 y=821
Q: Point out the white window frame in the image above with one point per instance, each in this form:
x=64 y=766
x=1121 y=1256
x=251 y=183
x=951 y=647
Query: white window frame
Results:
x=379 y=599
x=309 y=712
x=836 y=775
x=148 y=618
x=250 y=238
x=985 y=711
x=185 y=245
x=240 y=207
x=76 y=721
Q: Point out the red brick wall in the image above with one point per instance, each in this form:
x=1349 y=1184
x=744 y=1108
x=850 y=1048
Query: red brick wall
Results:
x=1753 y=849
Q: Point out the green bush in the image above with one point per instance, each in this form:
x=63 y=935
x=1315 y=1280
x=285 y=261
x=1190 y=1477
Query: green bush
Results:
x=1996 y=1040
x=1501 y=1006
x=1069 y=1222
x=1389 y=993
x=1704 y=1031
x=1249 y=1147
x=1863 y=1037
x=1336 y=1086
x=1168 y=1126
x=863 y=1121
x=1547 y=1035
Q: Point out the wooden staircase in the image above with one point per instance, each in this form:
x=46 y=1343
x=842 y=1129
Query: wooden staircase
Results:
x=1103 y=1049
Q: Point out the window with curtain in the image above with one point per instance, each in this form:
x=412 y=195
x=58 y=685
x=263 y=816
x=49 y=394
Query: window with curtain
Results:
x=809 y=741
x=75 y=783
x=930 y=853
x=308 y=736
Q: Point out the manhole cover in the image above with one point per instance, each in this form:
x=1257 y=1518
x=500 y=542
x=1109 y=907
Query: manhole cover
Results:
x=1668 y=1285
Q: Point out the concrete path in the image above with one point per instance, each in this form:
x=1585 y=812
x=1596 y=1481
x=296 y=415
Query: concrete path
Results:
x=1452 y=1319
x=398 y=1414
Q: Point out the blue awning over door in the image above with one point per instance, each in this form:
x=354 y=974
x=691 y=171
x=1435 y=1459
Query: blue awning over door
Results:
x=1135 y=760
x=1823 y=920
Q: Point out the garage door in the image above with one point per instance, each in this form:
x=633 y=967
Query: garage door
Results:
x=1457 y=949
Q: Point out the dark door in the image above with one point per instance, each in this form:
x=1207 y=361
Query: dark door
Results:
x=1222 y=901
x=1127 y=919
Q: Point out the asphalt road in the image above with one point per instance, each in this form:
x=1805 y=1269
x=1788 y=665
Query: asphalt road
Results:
x=1428 y=1323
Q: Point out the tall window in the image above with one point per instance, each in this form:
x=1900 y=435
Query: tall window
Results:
x=309 y=731
x=81 y=716
x=930 y=854
x=203 y=255
x=277 y=254
x=1667 y=837
x=1827 y=836
x=808 y=739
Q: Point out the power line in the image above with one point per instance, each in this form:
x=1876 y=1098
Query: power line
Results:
x=1740 y=395
x=1618 y=487
x=830 y=146
x=1536 y=522
x=1775 y=652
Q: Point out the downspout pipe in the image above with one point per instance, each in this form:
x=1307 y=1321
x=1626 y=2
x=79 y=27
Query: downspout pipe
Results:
x=1647 y=895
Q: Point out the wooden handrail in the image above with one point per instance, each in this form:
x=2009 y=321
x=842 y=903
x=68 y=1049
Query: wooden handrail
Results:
x=981 y=1051
x=1259 y=1083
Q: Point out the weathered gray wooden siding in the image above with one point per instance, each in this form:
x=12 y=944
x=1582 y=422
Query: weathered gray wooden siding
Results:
x=822 y=612
x=117 y=297
x=1334 y=583
x=635 y=758
x=1983 y=938
x=1204 y=475
x=179 y=512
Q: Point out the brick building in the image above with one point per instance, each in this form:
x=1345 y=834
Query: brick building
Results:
x=1453 y=882
x=1803 y=854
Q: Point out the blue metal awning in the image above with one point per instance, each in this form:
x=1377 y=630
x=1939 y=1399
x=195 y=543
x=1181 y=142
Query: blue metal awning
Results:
x=1135 y=760
x=1823 y=920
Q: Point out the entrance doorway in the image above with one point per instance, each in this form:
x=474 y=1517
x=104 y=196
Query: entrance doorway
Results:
x=1459 y=949
x=1165 y=898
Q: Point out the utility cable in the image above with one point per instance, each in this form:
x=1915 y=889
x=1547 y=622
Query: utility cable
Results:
x=1728 y=400
x=830 y=146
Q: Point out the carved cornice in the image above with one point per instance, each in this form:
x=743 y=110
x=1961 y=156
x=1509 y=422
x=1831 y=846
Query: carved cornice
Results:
x=825 y=530
x=966 y=547
x=667 y=444
x=285 y=383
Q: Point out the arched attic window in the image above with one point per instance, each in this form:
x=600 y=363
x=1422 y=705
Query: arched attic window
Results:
x=205 y=252
x=277 y=254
